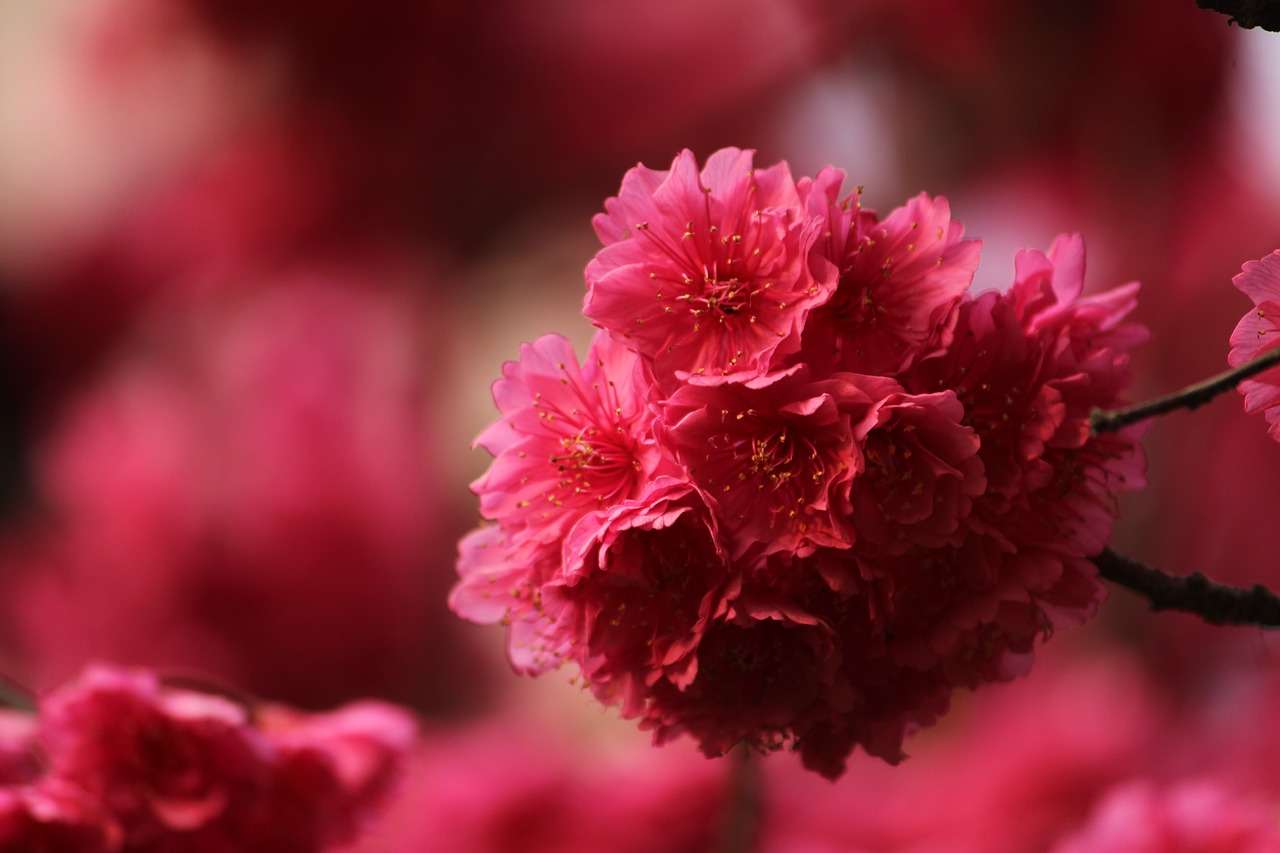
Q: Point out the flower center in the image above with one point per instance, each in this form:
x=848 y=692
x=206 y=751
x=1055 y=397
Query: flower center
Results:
x=587 y=462
x=712 y=270
x=774 y=459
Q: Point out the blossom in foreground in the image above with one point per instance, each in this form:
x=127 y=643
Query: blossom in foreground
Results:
x=775 y=455
x=1259 y=332
x=572 y=438
x=132 y=765
x=809 y=537
x=706 y=273
x=898 y=279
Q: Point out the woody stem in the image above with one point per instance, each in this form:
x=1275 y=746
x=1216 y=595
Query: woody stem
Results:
x=1213 y=602
x=1191 y=397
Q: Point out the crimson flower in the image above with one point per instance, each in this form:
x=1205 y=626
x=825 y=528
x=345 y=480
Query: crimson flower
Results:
x=572 y=438
x=642 y=583
x=899 y=280
x=775 y=455
x=922 y=474
x=706 y=273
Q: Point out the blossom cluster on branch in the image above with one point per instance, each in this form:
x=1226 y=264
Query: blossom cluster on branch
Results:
x=116 y=761
x=804 y=484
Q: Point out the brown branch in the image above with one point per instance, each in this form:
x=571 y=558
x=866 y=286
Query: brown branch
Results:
x=1191 y=397
x=1213 y=602
x=15 y=696
x=1247 y=13
x=740 y=826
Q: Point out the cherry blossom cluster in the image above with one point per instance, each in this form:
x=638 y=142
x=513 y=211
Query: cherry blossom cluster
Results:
x=118 y=762
x=804 y=484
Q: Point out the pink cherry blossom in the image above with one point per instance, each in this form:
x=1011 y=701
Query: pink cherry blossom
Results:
x=899 y=280
x=922 y=474
x=1028 y=366
x=332 y=773
x=642 y=582
x=1259 y=332
x=706 y=273
x=571 y=438
x=776 y=454
x=1086 y=343
x=993 y=368
x=762 y=674
x=499 y=586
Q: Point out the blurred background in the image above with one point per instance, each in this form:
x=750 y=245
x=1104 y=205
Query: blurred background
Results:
x=260 y=262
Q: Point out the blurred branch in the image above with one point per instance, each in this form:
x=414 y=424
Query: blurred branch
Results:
x=1213 y=602
x=1191 y=397
x=1247 y=13
x=738 y=830
x=15 y=696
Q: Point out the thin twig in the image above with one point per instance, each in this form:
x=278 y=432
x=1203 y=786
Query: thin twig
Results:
x=740 y=827
x=1213 y=602
x=1191 y=397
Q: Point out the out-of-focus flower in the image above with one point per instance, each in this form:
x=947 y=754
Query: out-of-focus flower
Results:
x=55 y=815
x=220 y=228
x=19 y=761
x=995 y=76
x=727 y=589
x=160 y=761
x=137 y=766
x=1259 y=332
x=1194 y=816
x=601 y=86
x=334 y=773
x=251 y=496
x=497 y=787
x=103 y=103
x=1035 y=757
